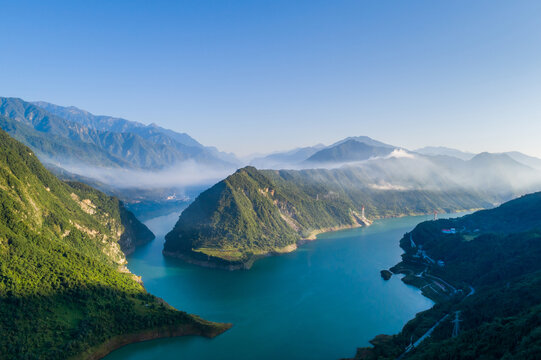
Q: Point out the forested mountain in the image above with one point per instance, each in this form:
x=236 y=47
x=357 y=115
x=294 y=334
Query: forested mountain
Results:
x=109 y=123
x=487 y=278
x=153 y=133
x=111 y=141
x=65 y=291
x=254 y=212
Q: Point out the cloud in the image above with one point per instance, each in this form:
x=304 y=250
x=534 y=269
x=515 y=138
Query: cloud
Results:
x=188 y=173
x=400 y=153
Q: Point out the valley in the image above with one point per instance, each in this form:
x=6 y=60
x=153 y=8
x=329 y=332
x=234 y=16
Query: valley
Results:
x=354 y=188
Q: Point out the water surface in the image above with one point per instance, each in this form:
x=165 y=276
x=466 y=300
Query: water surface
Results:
x=320 y=302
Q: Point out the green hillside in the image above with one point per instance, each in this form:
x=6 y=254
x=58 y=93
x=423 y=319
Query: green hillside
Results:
x=494 y=260
x=64 y=288
x=252 y=212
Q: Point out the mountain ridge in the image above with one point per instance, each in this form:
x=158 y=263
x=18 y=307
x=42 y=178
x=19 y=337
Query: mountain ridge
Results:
x=253 y=212
x=146 y=147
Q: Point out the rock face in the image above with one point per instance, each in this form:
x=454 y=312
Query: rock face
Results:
x=135 y=233
x=63 y=277
x=386 y=274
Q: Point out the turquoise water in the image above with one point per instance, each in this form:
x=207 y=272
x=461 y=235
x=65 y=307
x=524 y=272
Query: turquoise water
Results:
x=320 y=302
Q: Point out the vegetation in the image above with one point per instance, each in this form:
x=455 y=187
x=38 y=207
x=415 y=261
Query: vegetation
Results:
x=77 y=137
x=497 y=253
x=64 y=287
x=252 y=212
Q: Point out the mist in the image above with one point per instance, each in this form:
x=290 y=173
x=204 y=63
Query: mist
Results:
x=181 y=175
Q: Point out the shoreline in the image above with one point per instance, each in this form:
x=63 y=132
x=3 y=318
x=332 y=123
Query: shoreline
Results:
x=100 y=351
x=421 y=282
x=219 y=263
x=223 y=264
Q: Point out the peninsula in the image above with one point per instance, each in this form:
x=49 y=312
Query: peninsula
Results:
x=254 y=213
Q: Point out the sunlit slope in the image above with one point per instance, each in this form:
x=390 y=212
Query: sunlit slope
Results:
x=253 y=212
x=64 y=287
x=82 y=138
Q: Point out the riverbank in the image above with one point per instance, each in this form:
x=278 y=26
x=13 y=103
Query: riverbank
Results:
x=417 y=268
x=203 y=258
x=207 y=257
x=276 y=300
x=205 y=328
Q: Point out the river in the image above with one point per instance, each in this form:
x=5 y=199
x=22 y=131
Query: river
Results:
x=320 y=302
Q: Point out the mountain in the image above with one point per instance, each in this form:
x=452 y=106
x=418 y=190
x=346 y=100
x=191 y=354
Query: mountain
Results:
x=65 y=291
x=114 y=124
x=123 y=143
x=56 y=148
x=286 y=159
x=350 y=150
x=500 y=172
x=487 y=276
x=253 y=213
x=355 y=148
x=153 y=133
x=365 y=140
x=533 y=162
x=445 y=151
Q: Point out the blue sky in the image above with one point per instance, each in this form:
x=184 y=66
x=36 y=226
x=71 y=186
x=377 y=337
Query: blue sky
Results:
x=258 y=76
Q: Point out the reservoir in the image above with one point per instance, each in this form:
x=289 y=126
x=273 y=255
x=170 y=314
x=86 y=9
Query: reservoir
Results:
x=320 y=302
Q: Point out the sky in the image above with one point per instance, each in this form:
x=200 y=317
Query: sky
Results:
x=259 y=76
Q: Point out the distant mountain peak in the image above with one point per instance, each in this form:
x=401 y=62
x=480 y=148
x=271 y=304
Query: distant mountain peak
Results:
x=351 y=149
x=363 y=139
x=445 y=151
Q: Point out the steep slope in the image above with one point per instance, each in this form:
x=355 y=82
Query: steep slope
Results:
x=494 y=262
x=64 y=288
x=114 y=124
x=252 y=213
x=52 y=147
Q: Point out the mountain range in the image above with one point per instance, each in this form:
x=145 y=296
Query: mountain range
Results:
x=253 y=212
x=76 y=136
x=361 y=148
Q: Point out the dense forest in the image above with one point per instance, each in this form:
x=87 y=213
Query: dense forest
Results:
x=64 y=286
x=493 y=259
x=255 y=212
